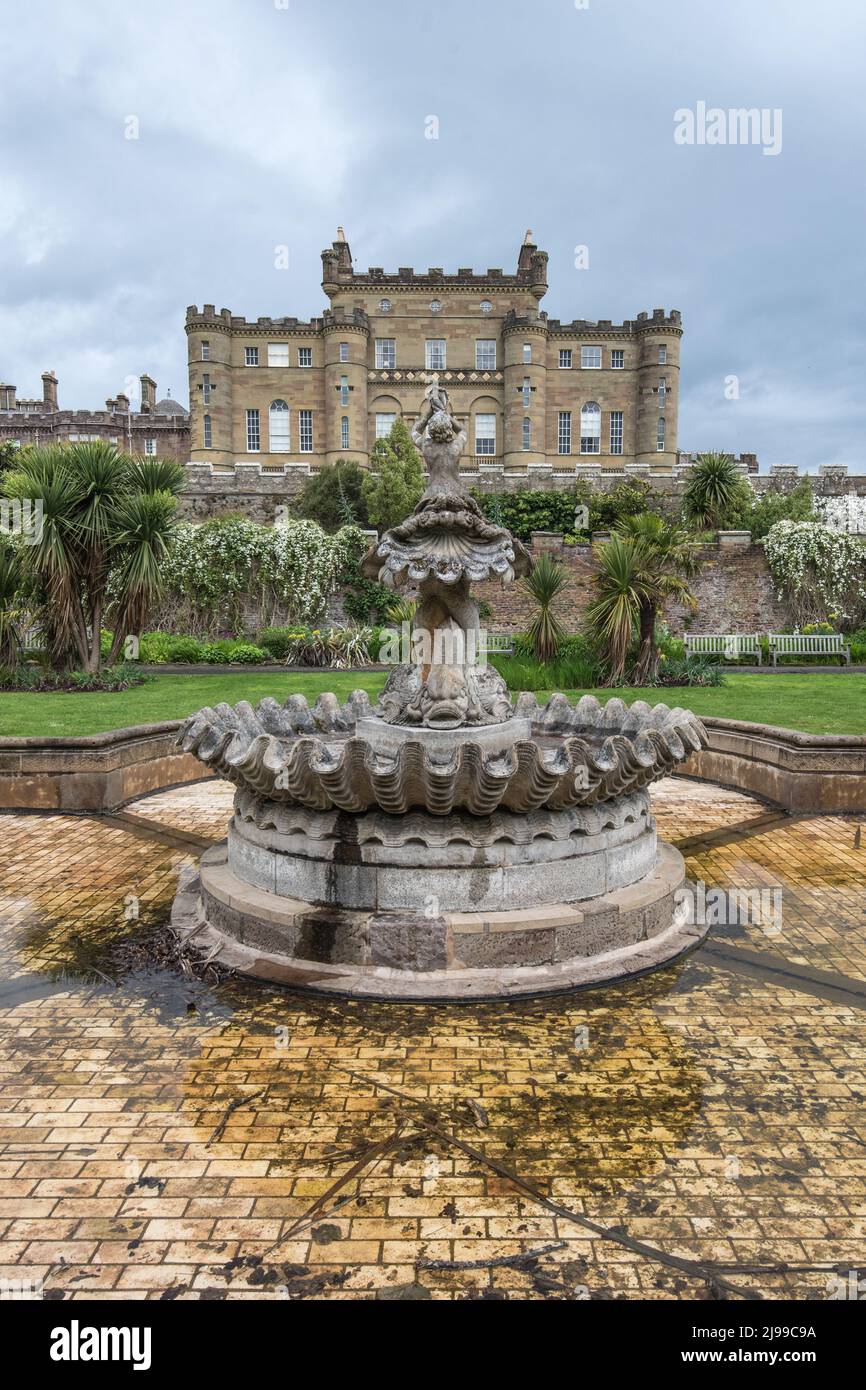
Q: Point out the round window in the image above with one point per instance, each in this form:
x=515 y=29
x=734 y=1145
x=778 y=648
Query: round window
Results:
x=486 y=306
x=384 y=305
x=435 y=305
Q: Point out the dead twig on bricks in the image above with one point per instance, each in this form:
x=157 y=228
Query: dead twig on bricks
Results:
x=230 y=1110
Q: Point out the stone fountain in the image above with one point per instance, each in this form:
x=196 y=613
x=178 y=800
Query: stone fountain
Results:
x=444 y=844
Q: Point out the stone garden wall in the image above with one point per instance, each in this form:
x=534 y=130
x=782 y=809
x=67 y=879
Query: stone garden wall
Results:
x=734 y=590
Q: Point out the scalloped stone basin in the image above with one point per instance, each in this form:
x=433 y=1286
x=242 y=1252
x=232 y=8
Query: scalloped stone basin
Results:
x=382 y=859
x=557 y=755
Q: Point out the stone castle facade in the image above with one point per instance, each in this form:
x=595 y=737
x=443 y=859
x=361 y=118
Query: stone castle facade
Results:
x=159 y=427
x=531 y=391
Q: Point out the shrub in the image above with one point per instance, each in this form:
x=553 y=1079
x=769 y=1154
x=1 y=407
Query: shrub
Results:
x=568 y=673
x=185 y=649
x=276 y=641
x=246 y=654
x=334 y=648
x=155 y=647
x=39 y=678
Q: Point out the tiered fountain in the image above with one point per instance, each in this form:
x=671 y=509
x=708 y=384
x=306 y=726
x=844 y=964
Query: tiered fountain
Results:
x=444 y=844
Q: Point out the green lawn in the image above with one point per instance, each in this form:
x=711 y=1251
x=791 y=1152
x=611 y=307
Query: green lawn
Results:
x=821 y=702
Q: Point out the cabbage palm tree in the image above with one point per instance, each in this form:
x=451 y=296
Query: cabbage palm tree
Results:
x=668 y=558
x=621 y=587
x=10 y=608
x=716 y=492
x=543 y=584
x=106 y=523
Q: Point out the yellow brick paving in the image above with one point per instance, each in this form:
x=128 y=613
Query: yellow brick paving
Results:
x=714 y=1117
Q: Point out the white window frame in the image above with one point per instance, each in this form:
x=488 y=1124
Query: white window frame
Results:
x=344 y=390
x=485 y=348
x=617 y=353
x=279 y=439
x=485 y=435
x=486 y=306
x=527 y=352
x=660 y=435
x=251 y=357
x=278 y=354
x=563 y=432
x=383 y=429
x=565 y=359
x=663 y=355
x=590 y=359
x=344 y=352
x=205 y=349
x=149 y=446
x=207 y=432
x=254 y=432
x=435 y=306
x=305 y=431
x=305 y=357
x=663 y=391
x=435 y=354
x=617 y=420
x=526 y=389
x=384 y=306
x=590 y=428
x=386 y=354
x=527 y=434
x=344 y=432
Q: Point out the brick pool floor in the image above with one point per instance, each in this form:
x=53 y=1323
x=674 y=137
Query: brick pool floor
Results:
x=696 y=1131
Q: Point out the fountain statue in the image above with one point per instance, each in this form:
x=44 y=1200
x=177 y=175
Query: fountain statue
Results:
x=445 y=843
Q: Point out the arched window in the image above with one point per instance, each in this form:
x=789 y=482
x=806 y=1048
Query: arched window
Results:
x=279 y=427
x=590 y=428
x=344 y=432
x=660 y=436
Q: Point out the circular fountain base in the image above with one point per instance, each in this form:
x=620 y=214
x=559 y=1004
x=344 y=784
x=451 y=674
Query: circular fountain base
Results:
x=441 y=908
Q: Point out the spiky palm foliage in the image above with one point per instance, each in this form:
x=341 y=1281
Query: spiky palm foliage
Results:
x=667 y=558
x=716 y=493
x=10 y=608
x=621 y=587
x=544 y=583
x=106 y=519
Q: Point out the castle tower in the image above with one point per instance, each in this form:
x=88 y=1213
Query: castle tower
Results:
x=210 y=383
x=524 y=343
x=346 y=333
x=658 y=387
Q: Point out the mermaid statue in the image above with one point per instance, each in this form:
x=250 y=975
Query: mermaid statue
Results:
x=443 y=547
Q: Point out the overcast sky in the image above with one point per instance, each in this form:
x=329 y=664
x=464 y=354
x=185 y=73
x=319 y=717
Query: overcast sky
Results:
x=264 y=123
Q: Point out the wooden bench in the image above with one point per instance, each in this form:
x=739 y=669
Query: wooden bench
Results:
x=729 y=645
x=830 y=644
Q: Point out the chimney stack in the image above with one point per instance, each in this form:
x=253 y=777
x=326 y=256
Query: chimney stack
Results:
x=49 y=390
x=148 y=394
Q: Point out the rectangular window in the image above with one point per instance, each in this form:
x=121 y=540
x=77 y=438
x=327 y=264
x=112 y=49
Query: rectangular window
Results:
x=278 y=354
x=527 y=433
x=616 y=431
x=305 y=357
x=205 y=388
x=565 y=357
x=251 y=357
x=386 y=353
x=564 y=432
x=527 y=352
x=660 y=436
x=384 y=421
x=305 y=430
x=590 y=358
x=485 y=354
x=208 y=433
x=527 y=393
x=344 y=432
x=435 y=355
x=663 y=356
x=590 y=429
x=205 y=350
x=344 y=390
x=150 y=447
x=663 y=388
x=617 y=359
x=485 y=434
x=344 y=352
x=254 y=440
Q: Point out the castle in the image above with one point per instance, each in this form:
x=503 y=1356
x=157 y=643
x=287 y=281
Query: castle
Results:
x=531 y=391
x=157 y=428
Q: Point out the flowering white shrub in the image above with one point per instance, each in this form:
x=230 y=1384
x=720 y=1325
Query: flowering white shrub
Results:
x=217 y=571
x=820 y=572
x=846 y=513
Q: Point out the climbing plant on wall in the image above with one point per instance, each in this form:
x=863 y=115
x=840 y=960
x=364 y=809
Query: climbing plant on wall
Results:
x=819 y=572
